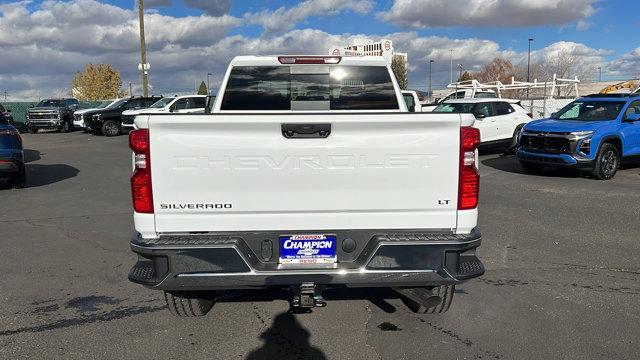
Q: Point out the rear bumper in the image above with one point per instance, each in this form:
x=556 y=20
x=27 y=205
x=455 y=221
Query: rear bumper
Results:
x=11 y=164
x=382 y=258
x=555 y=160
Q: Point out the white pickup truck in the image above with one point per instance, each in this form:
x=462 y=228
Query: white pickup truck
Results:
x=308 y=172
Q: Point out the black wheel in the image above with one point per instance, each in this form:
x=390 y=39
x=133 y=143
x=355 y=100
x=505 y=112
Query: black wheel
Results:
x=607 y=162
x=188 y=303
x=66 y=127
x=531 y=167
x=110 y=128
x=445 y=295
x=32 y=131
x=511 y=148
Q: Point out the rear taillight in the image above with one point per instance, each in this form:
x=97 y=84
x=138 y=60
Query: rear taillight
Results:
x=469 y=182
x=141 y=190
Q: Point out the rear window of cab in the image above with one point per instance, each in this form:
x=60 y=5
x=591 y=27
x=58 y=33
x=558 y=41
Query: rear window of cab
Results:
x=309 y=87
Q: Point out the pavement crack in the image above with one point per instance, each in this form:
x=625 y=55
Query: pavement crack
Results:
x=116 y=314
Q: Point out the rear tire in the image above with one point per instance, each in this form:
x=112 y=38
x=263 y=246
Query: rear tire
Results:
x=445 y=292
x=188 y=303
x=110 y=128
x=607 y=162
x=531 y=167
x=32 y=131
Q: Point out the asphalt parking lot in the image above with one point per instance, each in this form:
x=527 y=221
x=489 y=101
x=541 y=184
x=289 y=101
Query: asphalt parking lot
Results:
x=562 y=280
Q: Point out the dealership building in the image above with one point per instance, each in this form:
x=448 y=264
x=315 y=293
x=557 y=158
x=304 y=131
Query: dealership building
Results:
x=366 y=47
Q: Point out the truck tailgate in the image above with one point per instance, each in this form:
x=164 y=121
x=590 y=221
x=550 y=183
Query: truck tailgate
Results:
x=237 y=172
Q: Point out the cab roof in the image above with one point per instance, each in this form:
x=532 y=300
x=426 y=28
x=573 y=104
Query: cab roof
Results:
x=480 y=100
x=611 y=97
x=276 y=60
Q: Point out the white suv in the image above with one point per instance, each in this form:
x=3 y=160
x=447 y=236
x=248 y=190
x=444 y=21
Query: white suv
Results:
x=179 y=104
x=499 y=120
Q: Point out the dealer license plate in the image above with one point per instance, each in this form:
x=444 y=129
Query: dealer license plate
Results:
x=307 y=249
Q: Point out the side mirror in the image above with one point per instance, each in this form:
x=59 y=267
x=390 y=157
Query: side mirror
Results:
x=632 y=118
x=553 y=115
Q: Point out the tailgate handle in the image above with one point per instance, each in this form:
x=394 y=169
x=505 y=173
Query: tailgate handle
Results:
x=306 y=131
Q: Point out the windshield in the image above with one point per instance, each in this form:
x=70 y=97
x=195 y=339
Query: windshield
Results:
x=51 y=103
x=587 y=110
x=161 y=103
x=485 y=94
x=309 y=87
x=105 y=104
x=116 y=103
x=454 y=108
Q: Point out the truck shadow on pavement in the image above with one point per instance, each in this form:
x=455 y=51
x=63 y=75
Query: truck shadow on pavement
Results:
x=286 y=338
x=40 y=174
x=45 y=174
x=31 y=155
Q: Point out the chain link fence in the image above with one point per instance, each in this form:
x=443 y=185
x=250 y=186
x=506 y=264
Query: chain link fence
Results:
x=543 y=108
x=18 y=110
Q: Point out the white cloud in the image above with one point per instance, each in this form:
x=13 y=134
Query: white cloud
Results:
x=583 y=25
x=626 y=66
x=284 y=19
x=42 y=48
x=518 y=13
x=210 y=7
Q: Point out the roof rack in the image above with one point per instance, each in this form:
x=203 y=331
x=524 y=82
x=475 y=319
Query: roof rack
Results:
x=549 y=87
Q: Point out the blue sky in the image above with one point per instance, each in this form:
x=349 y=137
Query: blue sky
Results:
x=610 y=27
x=188 y=38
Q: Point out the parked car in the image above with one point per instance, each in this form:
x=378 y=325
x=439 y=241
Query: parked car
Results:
x=499 y=120
x=328 y=184
x=593 y=134
x=78 y=116
x=108 y=121
x=7 y=114
x=179 y=104
x=412 y=101
x=52 y=114
x=11 y=155
x=460 y=94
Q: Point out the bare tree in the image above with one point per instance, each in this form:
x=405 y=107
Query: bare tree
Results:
x=498 y=69
x=566 y=65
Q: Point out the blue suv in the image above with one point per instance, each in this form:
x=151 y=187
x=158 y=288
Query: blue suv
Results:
x=594 y=133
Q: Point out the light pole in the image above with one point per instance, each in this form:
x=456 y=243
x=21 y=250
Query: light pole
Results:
x=529 y=65
x=451 y=58
x=430 y=62
x=144 y=68
x=208 y=83
x=600 y=73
